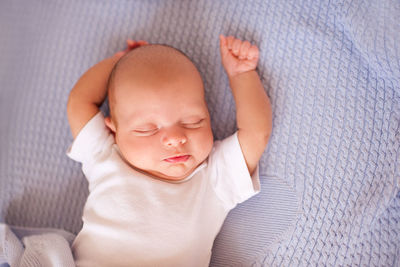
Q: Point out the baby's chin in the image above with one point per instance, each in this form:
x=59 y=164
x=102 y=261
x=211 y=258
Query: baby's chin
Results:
x=171 y=173
x=174 y=173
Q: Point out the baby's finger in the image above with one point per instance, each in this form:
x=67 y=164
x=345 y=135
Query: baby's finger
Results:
x=142 y=42
x=253 y=52
x=130 y=42
x=236 y=47
x=229 y=42
x=222 y=41
x=244 y=49
x=223 y=45
x=134 y=44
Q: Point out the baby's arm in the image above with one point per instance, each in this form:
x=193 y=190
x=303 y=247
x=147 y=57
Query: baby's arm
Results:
x=254 y=118
x=91 y=89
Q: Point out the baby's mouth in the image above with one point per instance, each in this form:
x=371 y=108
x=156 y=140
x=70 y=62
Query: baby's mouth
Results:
x=177 y=159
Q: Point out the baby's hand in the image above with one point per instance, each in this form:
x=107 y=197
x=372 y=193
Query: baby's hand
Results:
x=237 y=56
x=131 y=44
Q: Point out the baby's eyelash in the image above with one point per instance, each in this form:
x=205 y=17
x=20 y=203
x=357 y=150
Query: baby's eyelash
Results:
x=193 y=124
x=145 y=132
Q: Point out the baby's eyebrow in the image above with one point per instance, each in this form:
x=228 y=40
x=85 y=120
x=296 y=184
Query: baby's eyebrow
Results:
x=142 y=123
x=140 y=119
x=147 y=125
x=194 y=117
x=139 y=122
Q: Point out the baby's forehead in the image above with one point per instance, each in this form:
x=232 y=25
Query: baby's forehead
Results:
x=153 y=56
x=154 y=62
x=152 y=67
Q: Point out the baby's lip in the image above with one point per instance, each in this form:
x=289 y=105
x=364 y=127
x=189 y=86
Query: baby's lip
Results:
x=177 y=158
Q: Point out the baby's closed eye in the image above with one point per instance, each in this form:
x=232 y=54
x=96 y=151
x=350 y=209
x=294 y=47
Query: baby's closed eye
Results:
x=148 y=130
x=192 y=124
x=145 y=131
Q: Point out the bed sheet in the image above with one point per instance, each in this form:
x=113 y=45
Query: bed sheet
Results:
x=331 y=69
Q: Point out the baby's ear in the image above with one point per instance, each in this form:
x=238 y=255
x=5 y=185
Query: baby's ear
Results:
x=110 y=124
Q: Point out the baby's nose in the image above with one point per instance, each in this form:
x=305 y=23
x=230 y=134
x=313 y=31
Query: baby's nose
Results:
x=174 y=138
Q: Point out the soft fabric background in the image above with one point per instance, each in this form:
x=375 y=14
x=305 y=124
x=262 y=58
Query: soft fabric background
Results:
x=331 y=69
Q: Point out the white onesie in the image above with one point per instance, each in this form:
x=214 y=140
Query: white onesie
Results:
x=133 y=219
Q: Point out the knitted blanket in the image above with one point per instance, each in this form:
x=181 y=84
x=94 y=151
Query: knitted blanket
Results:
x=331 y=69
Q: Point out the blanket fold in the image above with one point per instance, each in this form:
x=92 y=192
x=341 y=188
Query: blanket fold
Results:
x=35 y=247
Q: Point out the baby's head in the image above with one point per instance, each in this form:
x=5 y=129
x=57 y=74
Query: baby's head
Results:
x=158 y=112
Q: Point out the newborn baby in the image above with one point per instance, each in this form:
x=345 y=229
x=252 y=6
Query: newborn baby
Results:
x=160 y=187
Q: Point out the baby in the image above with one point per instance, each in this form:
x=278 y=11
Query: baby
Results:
x=160 y=187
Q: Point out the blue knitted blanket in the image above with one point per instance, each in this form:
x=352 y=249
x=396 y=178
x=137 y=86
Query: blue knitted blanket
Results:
x=331 y=69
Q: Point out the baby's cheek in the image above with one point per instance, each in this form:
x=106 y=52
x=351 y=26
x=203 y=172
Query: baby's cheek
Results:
x=143 y=147
x=136 y=150
x=204 y=143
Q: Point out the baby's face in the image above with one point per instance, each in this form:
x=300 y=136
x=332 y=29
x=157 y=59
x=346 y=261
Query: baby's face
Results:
x=162 y=122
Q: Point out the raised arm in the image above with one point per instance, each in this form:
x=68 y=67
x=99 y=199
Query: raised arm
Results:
x=253 y=109
x=89 y=92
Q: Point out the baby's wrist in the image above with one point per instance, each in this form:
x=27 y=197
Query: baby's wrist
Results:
x=239 y=74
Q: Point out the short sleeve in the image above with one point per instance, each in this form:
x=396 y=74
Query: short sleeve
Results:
x=93 y=139
x=229 y=174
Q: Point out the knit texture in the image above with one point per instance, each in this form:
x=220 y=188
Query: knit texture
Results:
x=331 y=69
x=35 y=247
